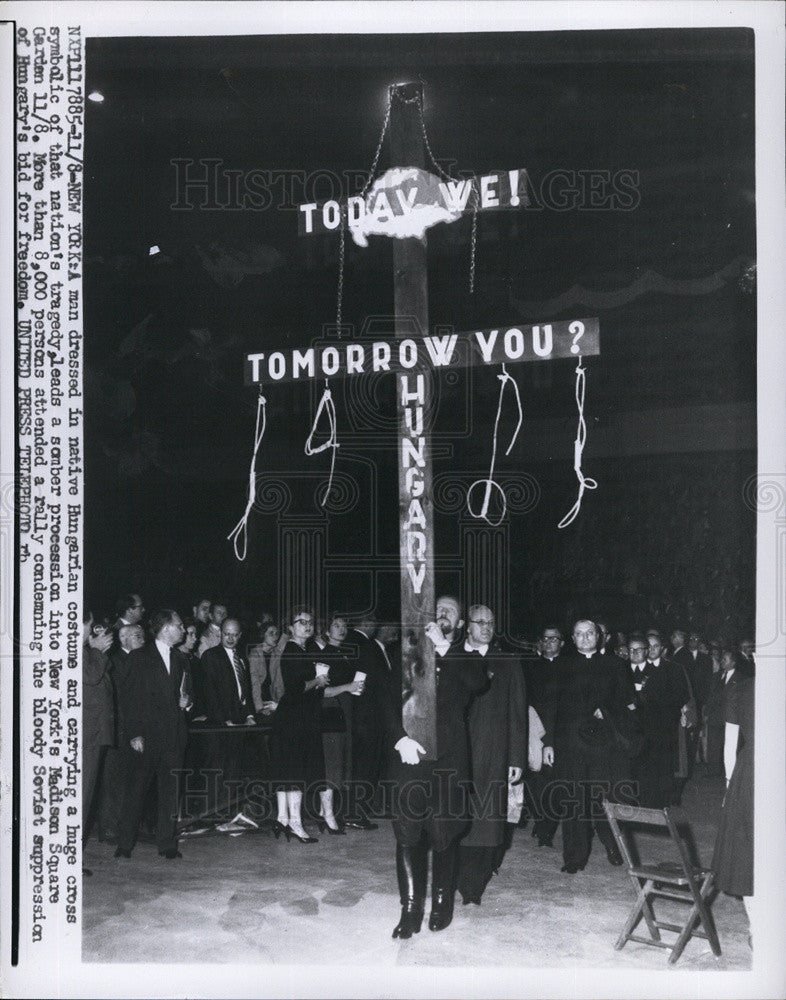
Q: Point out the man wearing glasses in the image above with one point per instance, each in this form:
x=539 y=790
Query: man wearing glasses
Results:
x=129 y=611
x=498 y=749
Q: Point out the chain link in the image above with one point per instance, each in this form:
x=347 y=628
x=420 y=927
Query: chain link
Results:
x=447 y=177
x=473 y=245
x=375 y=161
x=340 y=293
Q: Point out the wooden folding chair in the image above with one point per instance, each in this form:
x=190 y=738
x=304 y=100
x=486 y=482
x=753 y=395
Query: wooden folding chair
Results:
x=681 y=880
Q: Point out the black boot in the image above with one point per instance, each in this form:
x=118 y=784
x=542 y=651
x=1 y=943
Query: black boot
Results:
x=411 y=871
x=443 y=885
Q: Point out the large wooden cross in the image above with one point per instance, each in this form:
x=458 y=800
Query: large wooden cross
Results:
x=412 y=359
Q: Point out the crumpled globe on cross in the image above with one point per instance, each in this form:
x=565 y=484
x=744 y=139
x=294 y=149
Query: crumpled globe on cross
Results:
x=404 y=202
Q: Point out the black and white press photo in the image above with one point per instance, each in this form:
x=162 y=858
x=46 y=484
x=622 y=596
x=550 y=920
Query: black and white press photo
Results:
x=397 y=499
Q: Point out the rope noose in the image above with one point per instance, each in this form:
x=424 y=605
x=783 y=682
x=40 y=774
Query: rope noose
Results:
x=490 y=482
x=326 y=403
x=578 y=448
x=239 y=534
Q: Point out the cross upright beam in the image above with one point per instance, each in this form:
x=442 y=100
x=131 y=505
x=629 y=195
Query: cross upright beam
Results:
x=413 y=398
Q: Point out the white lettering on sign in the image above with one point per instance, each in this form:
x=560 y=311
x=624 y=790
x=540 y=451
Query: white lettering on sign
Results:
x=542 y=347
x=514 y=344
x=355 y=357
x=455 y=194
x=380 y=356
x=406 y=201
x=488 y=194
x=356 y=208
x=413 y=446
x=408 y=353
x=559 y=339
x=486 y=344
x=441 y=349
x=330 y=361
x=308 y=211
x=331 y=215
x=303 y=361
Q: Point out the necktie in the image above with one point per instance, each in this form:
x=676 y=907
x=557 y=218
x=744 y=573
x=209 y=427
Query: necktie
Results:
x=237 y=666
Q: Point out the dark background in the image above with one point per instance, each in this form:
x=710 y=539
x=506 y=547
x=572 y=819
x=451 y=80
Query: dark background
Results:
x=670 y=402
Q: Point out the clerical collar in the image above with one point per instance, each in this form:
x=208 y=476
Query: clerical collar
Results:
x=589 y=655
x=476 y=649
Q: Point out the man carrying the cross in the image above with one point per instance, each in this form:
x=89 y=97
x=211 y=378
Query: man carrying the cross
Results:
x=430 y=809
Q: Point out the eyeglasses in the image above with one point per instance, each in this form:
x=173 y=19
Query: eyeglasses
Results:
x=303 y=621
x=482 y=622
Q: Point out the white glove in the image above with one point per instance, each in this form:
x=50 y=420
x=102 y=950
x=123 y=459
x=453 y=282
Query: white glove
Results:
x=409 y=749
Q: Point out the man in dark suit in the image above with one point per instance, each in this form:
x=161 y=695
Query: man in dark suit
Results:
x=98 y=715
x=592 y=698
x=746 y=648
x=227 y=680
x=541 y=674
x=368 y=721
x=154 y=708
x=697 y=665
x=116 y=761
x=229 y=701
x=661 y=691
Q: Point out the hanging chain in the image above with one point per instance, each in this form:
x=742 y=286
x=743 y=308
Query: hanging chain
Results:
x=442 y=173
x=447 y=177
x=473 y=243
x=375 y=161
x=340 y=294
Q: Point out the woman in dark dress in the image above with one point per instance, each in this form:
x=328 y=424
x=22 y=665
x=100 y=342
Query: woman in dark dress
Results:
x=732 y=860
x=298 y=759
x=336 y=718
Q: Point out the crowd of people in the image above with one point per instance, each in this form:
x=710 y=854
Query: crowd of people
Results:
x=536 y=732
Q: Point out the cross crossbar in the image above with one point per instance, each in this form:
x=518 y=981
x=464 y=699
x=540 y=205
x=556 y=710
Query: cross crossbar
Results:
x=342 y=359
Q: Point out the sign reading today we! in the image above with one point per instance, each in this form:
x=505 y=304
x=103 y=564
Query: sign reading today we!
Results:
x=540 y=342
x=405 y=200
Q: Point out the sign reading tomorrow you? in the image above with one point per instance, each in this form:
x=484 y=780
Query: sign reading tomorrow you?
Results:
x=541 y=342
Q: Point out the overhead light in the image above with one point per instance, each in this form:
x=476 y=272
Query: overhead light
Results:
x=96 y=97
x=153 y=251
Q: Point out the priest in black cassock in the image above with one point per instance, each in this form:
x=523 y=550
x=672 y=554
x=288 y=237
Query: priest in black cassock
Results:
x=586 y=717
x=498 y=751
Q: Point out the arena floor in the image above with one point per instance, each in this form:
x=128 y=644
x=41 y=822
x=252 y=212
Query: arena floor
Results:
x=252 y=899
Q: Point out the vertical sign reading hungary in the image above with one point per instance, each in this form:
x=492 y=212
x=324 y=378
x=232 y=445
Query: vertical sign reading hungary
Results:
x=413 y=396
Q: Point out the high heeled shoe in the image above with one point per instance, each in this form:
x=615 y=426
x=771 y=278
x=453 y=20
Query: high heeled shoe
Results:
x=289 y=832
x=277 y=828
x=322 y=826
